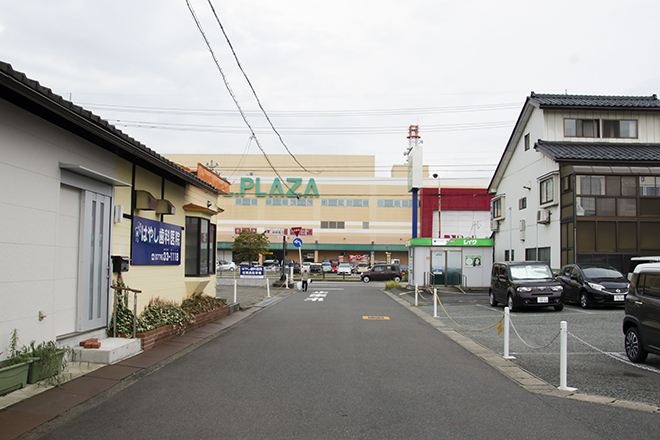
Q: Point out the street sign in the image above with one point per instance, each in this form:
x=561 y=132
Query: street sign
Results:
x=297 y=242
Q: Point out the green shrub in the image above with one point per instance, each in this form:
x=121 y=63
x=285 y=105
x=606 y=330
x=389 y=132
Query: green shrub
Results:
x=392 y=284
x=199 y=303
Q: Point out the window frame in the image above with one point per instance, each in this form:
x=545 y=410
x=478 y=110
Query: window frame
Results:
x=579 y=127
x=211 y=257
x=617 y=134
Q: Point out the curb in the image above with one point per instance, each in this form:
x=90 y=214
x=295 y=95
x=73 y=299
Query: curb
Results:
x=514 y=372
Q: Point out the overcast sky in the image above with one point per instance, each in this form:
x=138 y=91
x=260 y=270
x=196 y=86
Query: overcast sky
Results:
x=335 y=77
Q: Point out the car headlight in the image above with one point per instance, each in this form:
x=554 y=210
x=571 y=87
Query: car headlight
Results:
x=596 y=286
x=557 y=288
x=524 y=289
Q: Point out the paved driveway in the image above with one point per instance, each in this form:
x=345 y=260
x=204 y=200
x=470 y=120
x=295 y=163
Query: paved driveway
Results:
x=597 y=363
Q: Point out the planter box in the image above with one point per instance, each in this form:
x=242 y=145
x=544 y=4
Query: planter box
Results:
x=13 y=377
x=154 y=337
x=39 y=370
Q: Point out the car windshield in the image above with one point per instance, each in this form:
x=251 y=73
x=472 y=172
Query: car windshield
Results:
x=531 y=272
x=601 y=272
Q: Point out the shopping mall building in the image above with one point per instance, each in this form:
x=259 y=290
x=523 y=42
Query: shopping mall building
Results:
x=345 y=210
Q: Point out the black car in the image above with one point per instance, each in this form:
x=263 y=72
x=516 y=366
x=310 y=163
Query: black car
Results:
x=525 y=284
x=641 y=323
x=593 y=285
x=382 y=272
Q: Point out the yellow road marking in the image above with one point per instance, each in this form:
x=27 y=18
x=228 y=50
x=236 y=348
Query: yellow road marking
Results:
x=377 y=318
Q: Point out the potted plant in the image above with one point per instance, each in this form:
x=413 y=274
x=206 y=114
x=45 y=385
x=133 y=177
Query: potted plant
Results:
x=49 y=360
x=14 y=370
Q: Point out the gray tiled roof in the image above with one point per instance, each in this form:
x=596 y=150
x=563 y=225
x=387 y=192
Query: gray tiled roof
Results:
x=581 y=151
x=17 y=87
x=651 y=102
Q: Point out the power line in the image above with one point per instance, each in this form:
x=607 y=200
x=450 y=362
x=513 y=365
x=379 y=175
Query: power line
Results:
x=307 y=131
x=254 y=92
x=301 y=113
x=231 y=92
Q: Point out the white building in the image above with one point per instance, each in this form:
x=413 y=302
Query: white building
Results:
x=577 y=181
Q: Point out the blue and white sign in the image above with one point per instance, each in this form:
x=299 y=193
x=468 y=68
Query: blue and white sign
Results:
x=155 y=243
x=252 y=271
x=297 y=242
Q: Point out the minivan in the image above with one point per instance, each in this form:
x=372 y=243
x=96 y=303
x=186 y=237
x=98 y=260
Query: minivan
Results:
x=525 y=284
x=641 y=323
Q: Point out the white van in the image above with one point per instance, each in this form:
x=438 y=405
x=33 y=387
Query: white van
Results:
x=634 y=261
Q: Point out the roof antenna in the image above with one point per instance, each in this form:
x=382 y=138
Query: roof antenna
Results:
x=565 y=91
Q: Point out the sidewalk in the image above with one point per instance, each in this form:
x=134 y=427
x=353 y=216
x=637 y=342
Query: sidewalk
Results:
x=28 y=408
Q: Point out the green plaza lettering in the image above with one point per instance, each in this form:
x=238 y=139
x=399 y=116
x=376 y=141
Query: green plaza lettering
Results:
x=277 y=189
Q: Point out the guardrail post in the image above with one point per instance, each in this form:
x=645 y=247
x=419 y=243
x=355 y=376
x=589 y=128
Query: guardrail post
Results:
x=268 y=287
x=506 y=334
x=235 y=291
x=435 y=302
x=415 y=294
x=563 y=356
x=134 y=313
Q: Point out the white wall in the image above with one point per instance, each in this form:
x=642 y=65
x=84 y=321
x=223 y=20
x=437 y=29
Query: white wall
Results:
x=520 y=180
x=36 y=217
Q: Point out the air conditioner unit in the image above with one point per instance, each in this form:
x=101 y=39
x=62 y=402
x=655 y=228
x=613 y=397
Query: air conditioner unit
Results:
x=543 y=216
x=494 y=225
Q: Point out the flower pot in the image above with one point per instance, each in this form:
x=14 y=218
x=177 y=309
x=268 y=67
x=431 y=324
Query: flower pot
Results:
x=42 y=368
x=13 y=377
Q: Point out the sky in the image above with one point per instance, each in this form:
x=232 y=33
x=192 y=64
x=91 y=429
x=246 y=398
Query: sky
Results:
x=333 y=77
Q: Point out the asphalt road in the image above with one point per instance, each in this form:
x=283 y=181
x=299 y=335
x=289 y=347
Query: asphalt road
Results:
x=597 y=363
x=340 y=361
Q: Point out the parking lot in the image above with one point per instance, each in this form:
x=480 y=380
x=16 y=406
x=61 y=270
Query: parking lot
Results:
x=597 y=363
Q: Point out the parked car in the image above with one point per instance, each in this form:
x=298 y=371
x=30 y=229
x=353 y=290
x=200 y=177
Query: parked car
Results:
x=344 y=268
x=362 y=267
x=641 y=323
x=316 y=268
x=226 y=265
x=525 y=284
x=327 y=267
x=634 y=261
x=382 y=272
x=593 y=285
x=404 y=268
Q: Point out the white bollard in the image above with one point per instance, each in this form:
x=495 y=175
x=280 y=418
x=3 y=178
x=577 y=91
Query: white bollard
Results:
x=435 y=302
x=506 y=334
x=286 y=280
x=415 y=295
x=268 y=287
x=563 y=357
x=235 y=292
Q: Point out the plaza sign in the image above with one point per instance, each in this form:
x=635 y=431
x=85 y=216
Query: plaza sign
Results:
x=277 y=188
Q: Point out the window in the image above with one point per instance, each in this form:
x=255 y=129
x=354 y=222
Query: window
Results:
x=506 y=255
x=619 y=129
x=544 y=254
x=648 y=186
x=343 y=202
x=581 y=128
x=200 y=247
x=590 y=185
x=522 y=203
x=332 y=225
x=365 y=225
x=289 y=202
x=497 y=208
x=527 y=142
x=530 y=254
x=547 y=190
x=394 y=204
x=245 y=201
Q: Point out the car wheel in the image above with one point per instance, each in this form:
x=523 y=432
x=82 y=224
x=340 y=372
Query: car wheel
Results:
x=559 y=307
x=365 y=279
x=491 y=298
x=397 y=279
x=584 y=300
x=510 y=304
x=634 y=349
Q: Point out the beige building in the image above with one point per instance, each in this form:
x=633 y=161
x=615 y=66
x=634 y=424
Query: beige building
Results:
x=344 y=209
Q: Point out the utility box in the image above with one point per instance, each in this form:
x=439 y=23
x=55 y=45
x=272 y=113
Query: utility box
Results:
x=119 y=264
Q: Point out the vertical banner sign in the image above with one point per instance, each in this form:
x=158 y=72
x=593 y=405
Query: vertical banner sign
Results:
x=155 y=243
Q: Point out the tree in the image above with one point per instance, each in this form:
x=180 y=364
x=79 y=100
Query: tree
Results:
x=248 y=245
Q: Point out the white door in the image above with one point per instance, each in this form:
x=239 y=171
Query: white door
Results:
x=94 y=261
